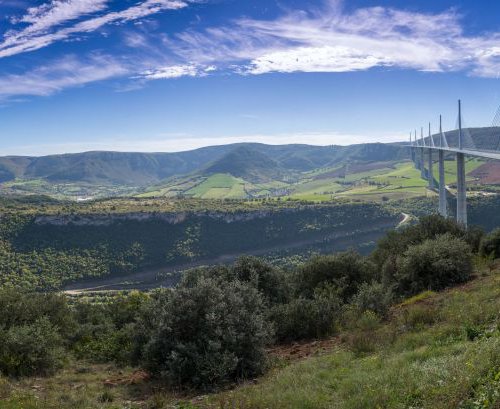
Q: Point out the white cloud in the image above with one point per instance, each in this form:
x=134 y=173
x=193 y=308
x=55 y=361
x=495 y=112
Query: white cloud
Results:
x=314 y=40
x=48 y=16
x=331 y=40
x=173 y=71
x=66 y=72
x=314 y=59
x=176 y=71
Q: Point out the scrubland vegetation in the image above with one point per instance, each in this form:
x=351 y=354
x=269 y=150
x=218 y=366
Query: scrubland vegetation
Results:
x=406 y=328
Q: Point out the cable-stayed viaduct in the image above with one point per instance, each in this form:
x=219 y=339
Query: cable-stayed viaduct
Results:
x=422 y=150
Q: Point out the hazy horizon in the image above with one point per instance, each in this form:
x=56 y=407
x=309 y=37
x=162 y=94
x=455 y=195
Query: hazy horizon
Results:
x=189 y=144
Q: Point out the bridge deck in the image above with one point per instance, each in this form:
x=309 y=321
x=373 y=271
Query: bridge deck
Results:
x=469 y=152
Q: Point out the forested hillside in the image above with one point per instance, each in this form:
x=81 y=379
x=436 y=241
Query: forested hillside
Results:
x=45 y=247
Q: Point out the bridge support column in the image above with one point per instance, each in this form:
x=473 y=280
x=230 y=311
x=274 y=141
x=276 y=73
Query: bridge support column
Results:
x=431 y=173
x=461 y=191
x=443 y=211
x=422 y=164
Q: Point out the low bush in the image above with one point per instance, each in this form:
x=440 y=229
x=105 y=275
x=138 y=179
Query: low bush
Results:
x=272 y=282
x=33 y=330
x=304 y=318
x=433 y=265
x=346 y=271
x=31 y=349
x=206 y=333
x=374 y=297
x=490 y=244
x=396 y=242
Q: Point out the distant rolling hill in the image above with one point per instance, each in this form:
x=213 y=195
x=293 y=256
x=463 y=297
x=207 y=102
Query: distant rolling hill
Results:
x=257 y=161
x=372 y=171
x=249 y=164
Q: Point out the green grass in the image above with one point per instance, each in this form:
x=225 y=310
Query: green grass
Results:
x=219 y=186
x=437 y=350
x=421 y=358
x=450 y=169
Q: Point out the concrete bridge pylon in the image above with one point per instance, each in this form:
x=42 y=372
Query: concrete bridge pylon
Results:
x=418 y=155
x=443 y=205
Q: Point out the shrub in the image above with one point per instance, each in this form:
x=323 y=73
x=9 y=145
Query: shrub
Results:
x=31 y=349
x=346 y=271
x=269 y=280
x=490 y=244
x=93 y=338
x=472 y=332
x=374 y=297
x=474 y=237
x=32 y=330
x=20 y=308
x=304 y=318
x=396 y=242
x=433 y=265
x=105 y=331
x=205 y=334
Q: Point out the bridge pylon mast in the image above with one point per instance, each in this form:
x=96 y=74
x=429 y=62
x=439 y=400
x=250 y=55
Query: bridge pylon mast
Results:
x=461 y=182
x=422 y=154
x=443 y=210
x=430 y=173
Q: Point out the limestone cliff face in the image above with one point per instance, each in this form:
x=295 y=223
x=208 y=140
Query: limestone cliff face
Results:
x=169 y=218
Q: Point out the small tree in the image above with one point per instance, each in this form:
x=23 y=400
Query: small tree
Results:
x=205 y=334
x=346 y=271
x=490 y=244
x=271 y=281
x=375 y=297
x=304 y=318
x=433 y=265
x=31 y=349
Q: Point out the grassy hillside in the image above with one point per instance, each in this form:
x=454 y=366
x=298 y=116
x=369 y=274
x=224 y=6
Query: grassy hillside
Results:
x=437 y=351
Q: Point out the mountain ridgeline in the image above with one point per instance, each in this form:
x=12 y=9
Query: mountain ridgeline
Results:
x=255 y=162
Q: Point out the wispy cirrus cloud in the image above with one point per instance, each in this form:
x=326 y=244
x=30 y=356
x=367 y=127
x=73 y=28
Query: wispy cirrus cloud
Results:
x=331 y=40
x=69 y=71
x=326 y=39
x=45 y=20
x=176 y=71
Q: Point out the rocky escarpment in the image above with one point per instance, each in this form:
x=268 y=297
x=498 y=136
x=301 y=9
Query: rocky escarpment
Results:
x=169 y=218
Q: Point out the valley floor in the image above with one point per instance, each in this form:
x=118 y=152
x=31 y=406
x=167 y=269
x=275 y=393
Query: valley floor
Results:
x=436 y=350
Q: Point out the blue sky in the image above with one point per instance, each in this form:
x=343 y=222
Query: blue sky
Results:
x=170 y=75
